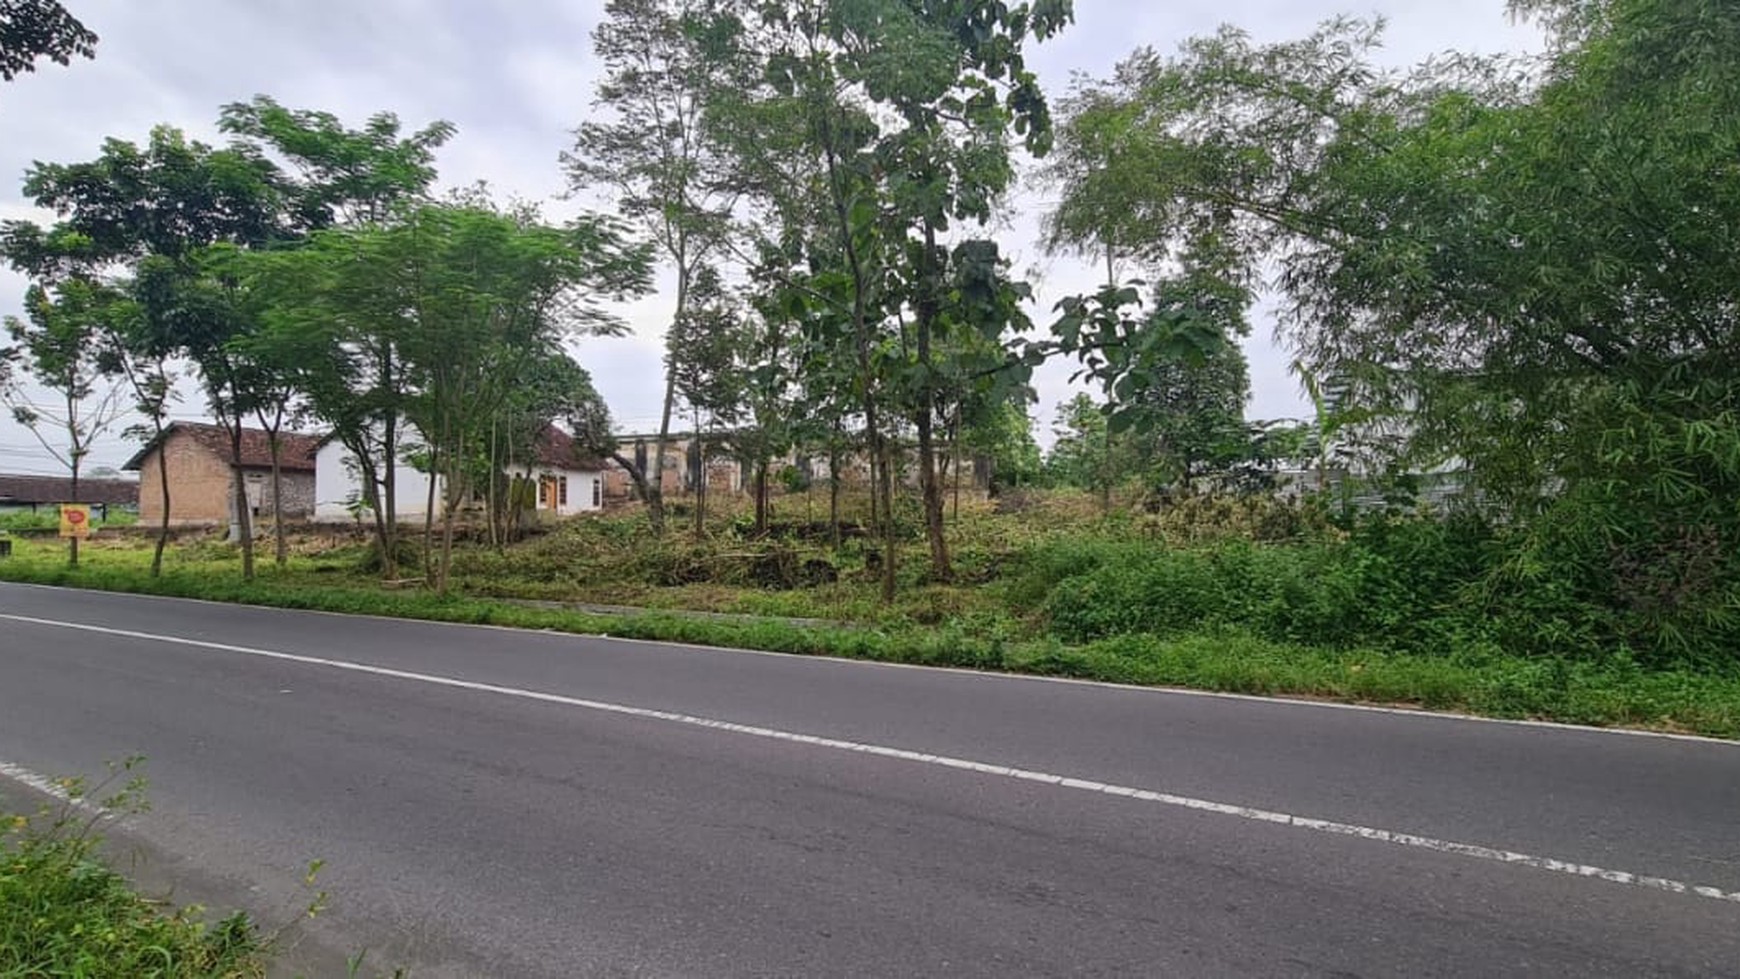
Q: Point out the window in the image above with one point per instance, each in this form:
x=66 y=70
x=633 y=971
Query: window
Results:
x=561 y=491
x=597 y=491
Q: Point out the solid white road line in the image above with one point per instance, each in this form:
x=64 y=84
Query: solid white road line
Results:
x=1471 y=850
x=1281 y=700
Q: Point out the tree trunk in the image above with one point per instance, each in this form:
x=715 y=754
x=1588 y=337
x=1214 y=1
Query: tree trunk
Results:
x=929 y=310
x=282 y=553
x=244 y=524
x=389 y=477
x=931 y=488
x=656 y=498
x=163 y=484
x=635 y=476
x=761 y=501
x=834 y=488
x=955 y=449
x=700 y=450
x=446 y=543
x=492 y=515
x=889 y=543
x=429 y=501
x=72 y=550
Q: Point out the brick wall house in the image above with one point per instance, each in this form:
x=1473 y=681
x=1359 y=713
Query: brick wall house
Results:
x=200 y=488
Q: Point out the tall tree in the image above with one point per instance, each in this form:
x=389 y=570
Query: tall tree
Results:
x=337 y=315
x=798 y=135
x=1532 y=263
x=147 y=365
x=954 y=73
x=353 y=178
x=497 y=293
x=890 y=120
x=33 y=29
x=162 y=209
x=653 y=153
x=58 y=345
x=436 y=319
x=711 y=378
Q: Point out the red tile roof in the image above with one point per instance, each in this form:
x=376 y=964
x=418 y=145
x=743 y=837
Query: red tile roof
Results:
x=295 y=452
x=557 y=449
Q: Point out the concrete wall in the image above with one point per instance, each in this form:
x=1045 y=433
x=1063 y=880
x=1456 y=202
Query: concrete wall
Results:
x=337 y=482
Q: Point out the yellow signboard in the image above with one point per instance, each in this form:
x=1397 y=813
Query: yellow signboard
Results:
x=75 y=520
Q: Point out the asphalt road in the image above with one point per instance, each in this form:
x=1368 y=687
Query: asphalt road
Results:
x=497 y=803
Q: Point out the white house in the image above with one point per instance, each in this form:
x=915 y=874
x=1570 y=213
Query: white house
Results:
x=568 y=482
x=338 y=487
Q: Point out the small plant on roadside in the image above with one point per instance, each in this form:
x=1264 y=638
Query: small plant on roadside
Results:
x=62 y=913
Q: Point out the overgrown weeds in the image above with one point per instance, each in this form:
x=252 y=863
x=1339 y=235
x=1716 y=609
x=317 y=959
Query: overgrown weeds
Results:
x=63 y=914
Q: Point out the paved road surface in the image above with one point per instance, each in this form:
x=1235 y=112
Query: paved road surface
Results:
x=496 y=803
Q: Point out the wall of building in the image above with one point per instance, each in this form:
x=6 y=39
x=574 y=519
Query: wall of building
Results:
x=337 y=482
x=297 y=486
x=199 y=485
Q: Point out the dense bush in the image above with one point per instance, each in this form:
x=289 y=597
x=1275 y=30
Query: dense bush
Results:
x=1416 y=584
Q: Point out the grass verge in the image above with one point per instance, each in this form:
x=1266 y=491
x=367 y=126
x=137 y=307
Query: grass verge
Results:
x=1614 y=692
x=64 y=914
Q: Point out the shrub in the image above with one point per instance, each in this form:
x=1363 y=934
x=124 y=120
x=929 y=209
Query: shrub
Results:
x=64 y=914
x=1391 y=583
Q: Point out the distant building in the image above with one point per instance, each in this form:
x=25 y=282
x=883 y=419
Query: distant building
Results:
x=31 y=493
x=200 y=474
x=569 y=482
x=726 y=474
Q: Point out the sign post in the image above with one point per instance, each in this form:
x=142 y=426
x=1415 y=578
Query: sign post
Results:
x=75 y=526
x=75 y=520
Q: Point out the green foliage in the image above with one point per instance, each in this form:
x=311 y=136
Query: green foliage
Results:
x=865 y=133
x=344 y=176
x=63 y=914
x=1409 y=584
x=46 y=520
x=1524 y=267
x=1084 y=453
x=32 y=29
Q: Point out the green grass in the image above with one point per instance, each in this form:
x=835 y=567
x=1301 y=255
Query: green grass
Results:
x=45 y=520
x=977 y=633
x=66 y=916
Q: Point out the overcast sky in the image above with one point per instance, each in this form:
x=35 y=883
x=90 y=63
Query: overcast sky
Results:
x=515 y=77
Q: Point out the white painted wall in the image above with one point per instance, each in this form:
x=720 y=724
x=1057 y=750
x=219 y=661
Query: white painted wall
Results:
x=336 y=483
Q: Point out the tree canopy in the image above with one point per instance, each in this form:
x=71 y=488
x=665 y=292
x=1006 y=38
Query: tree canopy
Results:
x=31 y=30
